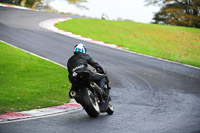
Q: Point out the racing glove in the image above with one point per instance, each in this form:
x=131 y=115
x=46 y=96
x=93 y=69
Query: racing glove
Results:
x=100 y=70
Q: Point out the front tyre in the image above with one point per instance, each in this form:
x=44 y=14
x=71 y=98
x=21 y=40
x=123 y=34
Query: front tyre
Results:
x=90 y=103
x=110 y=109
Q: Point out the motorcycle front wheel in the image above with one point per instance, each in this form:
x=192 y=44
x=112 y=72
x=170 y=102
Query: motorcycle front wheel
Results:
x=110 y=109
x=90 y=103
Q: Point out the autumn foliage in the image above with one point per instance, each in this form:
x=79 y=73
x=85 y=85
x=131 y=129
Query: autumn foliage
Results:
x=178 y=12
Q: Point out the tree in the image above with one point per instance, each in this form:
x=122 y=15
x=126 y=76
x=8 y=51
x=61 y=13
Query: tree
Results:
x=177 y=12
x=23 y=2
x=78 y=3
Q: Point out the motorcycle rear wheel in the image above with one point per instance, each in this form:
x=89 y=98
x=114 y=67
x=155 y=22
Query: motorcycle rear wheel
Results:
x=90 y=103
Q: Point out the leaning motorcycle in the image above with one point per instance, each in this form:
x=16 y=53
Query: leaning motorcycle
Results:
x=93 y=99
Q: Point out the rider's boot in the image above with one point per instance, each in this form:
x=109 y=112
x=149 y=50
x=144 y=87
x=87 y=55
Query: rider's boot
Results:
x=104 y=85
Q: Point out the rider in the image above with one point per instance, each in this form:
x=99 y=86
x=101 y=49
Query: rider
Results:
x=79 y=62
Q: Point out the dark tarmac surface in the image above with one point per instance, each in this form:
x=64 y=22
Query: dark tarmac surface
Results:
x=149 y=95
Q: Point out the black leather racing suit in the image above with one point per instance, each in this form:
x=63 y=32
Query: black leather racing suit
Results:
x=79 y=62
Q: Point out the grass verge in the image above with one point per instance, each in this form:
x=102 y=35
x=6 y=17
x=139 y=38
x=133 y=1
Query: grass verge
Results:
x=180 y=44
x=28 y=82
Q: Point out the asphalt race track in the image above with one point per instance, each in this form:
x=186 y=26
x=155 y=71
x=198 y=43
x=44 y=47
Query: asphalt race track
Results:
x=149 y=95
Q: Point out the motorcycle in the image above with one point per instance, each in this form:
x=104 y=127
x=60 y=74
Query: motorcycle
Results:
x=93 y=99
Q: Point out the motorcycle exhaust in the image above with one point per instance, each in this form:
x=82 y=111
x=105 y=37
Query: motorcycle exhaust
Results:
x=97 y=89
x=73 y=93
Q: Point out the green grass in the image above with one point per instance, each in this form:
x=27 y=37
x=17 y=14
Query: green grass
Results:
x=174 y=43
x=28 y=82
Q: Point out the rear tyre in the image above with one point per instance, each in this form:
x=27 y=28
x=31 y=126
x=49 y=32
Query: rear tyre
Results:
x=90 y=103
